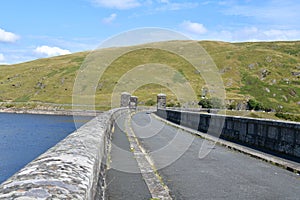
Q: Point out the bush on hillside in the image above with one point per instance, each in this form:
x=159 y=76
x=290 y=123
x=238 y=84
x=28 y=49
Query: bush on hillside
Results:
x=287 y=116
x=213 y=102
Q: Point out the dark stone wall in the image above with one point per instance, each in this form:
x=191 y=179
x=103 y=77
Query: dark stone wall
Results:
x=270 y=135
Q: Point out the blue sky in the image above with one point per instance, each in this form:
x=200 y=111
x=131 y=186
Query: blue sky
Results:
x=34 y=29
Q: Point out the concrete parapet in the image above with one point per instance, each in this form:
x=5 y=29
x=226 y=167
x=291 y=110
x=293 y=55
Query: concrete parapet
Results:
x=72 y=169
x=272 y=135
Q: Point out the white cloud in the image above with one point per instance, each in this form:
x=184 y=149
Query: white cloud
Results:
x=118 y=4
x=158 y=5
x=51 y=51
x=176 y=6
x=283 y=34
x=253 y=33
x=194 y=27
x=163 y=1
x=274 y=11
x=109 y=19
x=2 y=58
x=247 y=34
x=7 y=36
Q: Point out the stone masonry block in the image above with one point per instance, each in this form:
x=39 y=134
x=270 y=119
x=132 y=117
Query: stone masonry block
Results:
x=287 y=135
x=273 y=132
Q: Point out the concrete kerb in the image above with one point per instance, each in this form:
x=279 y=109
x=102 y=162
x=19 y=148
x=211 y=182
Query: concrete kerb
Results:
x=290 y=166
x=69 y=170
x=146 y=165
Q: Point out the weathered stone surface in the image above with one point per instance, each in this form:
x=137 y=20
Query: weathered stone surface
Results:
x=251 y=127
x=252 y=65
x=264 y=73
x=69 y=170
x=296 y=73
x=287 y=135
x=125 y=99
x=273 y=132
x=133 y=102
x=297 y=136
x=161 y=101
x=262 y=130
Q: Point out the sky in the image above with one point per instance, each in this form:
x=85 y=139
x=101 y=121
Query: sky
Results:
x=35 y=29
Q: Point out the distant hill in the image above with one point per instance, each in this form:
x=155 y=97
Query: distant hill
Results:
x=268 y=72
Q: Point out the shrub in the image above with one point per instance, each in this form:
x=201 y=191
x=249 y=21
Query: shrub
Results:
x=9 y=105
x=214 y=102
x=205 y=103
x=150 y=102
x=170 y=104
x=178 y=105
x=232 y=106
x=287 y=116
x=255 y=105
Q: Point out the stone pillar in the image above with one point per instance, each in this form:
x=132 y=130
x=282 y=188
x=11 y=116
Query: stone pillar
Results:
x=161 y=101
x=125 y=99
x=133 y=102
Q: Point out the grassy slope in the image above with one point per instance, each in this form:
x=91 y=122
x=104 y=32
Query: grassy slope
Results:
x=250 y=70
x=279 y=59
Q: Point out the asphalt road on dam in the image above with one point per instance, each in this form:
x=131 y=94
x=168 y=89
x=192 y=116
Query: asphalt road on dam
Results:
x=222 y=174
x=121 y=183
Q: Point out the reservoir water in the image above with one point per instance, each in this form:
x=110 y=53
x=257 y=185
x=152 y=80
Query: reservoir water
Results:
x=23 y=137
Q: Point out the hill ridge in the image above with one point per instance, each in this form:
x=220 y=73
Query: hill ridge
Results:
x=266 y=71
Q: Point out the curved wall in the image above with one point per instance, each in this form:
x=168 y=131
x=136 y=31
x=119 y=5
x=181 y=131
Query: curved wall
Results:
x=72 y=169
x=270 y=135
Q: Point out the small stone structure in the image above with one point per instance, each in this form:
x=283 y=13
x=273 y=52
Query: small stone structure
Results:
x=125 y=99
x=133 y=102
x=161 y=101
x=129 y=101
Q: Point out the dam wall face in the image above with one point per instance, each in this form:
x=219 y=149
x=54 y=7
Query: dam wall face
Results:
x=270 y=135
x=72 y=169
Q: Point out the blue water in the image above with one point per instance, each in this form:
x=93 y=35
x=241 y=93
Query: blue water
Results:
x=23 y=137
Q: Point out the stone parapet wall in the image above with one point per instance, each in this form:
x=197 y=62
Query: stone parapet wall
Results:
x=272 y=135
x=72 y=169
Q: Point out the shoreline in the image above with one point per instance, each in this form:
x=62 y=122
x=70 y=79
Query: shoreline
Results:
x=51 y=112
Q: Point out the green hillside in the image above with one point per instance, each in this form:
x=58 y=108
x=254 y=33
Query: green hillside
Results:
x=266 y=71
